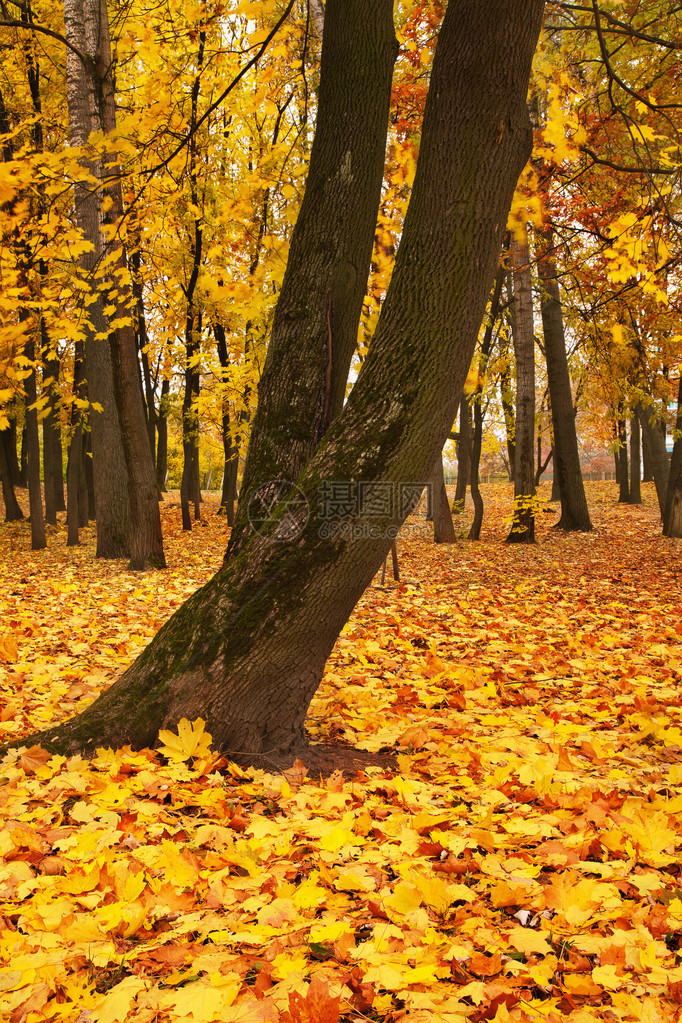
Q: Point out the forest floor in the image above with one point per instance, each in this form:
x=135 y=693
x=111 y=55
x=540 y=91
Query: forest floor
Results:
x=522 y=862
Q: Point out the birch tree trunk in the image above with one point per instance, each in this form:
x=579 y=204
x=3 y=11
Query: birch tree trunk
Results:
x=128 y=517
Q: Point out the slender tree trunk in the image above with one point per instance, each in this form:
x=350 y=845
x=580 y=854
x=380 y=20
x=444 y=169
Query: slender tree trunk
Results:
x=635 y=461
x=87 y=509
x=11 y=454
x=658 y=456
x=230 y=448
x=142 y=345
x=162 y=430
x=73 y=475
x=523 y=524
x=189 y=485
x=13 y=512
x=463 y=456
x=672 y=517
x=49 y=467
x=567 y=471
x=476 y=439
x=443 y=528
x=35 y=498
x=190 y=421
x=507 y=399
x=647 y=471
x=623 y=475
x=247 y=651
x=74 y=465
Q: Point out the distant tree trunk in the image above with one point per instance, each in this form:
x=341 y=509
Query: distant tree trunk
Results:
x=672 y=518
x=11 y=453
x=230 y=449
x=13 y=512
x=476 y=439
x=75 y=479
x=317 y=11
x=162 y=430
x=443 y=528
x=635 y=461
x=523 y=523
x=247 y=650
x=74 y=469
x=507 y=399
x=189 y=485
x=623 y=476
x=142 y=345
x=88 y=499
x=463 y=456
x=647 y=471
x=50 y=467
x=190 y=420
x=567 y=471
x=658 y=460
x=38 y=541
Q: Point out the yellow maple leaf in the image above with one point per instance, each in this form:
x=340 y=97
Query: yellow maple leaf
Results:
x=191 y=741
x=526 y=940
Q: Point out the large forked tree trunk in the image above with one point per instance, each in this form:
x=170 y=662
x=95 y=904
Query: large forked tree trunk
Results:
x=672 y=516
x=523 y=522
x=315 y=325
x=247 y=651
x=128 y=517
x=567 y=471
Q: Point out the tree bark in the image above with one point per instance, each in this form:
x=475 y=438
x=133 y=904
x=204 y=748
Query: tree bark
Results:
x=230 y=448
x=635 y=461
x=507 y=400
x=162 y=432
x=248 y=649
x=13 y=512
x=523 y=523
x=443 y=528
x=658 y=456
x=574 y=512
x=463 y=456
x=123 y=465
x=672 y=517
x=315 y=324
x=476 y=439
x=35 y=499
x=113 y=506
x=142 y=347
x=623 y=474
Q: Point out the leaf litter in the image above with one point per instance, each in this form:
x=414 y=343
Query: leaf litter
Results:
x=522 y=862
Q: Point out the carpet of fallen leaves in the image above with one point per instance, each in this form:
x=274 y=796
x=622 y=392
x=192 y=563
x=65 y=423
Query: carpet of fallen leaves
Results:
x=523 y=862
